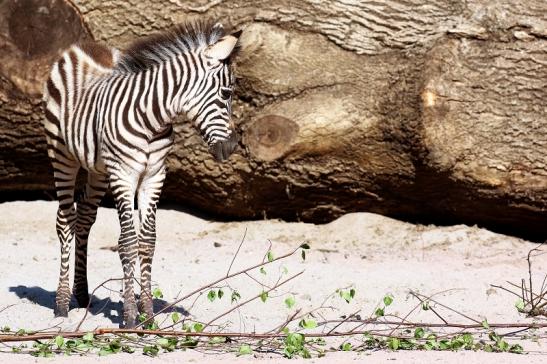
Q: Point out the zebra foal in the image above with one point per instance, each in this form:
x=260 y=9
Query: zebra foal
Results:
x=111 y=113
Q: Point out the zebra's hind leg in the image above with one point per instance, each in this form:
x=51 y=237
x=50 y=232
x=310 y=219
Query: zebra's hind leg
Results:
x=86 y=211
x=148 y=196
x=65 y=172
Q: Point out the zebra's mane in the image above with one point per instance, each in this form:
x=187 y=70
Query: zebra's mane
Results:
x=152 y=50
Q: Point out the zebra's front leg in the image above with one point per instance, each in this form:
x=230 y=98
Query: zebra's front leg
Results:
x=86 y=211
x=148 y=196
x=123 y=191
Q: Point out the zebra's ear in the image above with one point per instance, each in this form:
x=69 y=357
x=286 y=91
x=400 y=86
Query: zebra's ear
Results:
x=218 y=26
x=222 y=49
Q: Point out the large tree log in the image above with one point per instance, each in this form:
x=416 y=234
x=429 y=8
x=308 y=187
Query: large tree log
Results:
x=432 y=111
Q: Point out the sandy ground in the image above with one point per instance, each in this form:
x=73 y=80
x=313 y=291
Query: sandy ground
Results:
x=373 y=254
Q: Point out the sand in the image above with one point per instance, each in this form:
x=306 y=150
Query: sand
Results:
x=373 y=254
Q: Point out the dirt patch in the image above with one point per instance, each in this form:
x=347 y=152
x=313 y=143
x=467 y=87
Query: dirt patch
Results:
x=374 y=254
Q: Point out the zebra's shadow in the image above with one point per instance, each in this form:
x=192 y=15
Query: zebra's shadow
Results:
x=105 y=306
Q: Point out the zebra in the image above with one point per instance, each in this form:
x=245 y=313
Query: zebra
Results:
x=111 y=113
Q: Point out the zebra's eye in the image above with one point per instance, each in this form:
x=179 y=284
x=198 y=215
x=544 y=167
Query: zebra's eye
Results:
x=225 y=93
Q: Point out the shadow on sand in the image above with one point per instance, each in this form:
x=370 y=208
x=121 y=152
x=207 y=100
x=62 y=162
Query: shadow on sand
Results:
x=104 y=306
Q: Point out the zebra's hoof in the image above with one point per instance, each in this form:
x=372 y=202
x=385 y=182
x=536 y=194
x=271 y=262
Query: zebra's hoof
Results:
x=60 y=311
x=146 y=307
x=128 y=324
x=83 y=300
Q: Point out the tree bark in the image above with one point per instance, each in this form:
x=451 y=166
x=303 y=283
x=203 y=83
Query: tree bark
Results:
x=428 y=111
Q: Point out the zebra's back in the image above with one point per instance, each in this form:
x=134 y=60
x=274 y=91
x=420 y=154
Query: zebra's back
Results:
x=70 y=100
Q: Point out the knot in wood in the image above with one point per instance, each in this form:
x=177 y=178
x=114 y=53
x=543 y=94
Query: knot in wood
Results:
x=271 y=136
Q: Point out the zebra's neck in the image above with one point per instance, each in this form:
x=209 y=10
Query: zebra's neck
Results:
x=153 y=88
x=165 y=92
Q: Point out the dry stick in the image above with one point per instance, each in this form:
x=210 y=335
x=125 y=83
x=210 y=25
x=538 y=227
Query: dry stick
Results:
x=237 y=252
x=431 y=308
x=507 y=290
x=113 y=331
x=524 y=290
x=89 y=303
x=297 y=316
x=257 y=281
x=342 y=322
x=280 y=328
x=8 y=306
x=535 y=325
x=448 y=308
x=277 y=285
x=214 y=283
x=420 y=303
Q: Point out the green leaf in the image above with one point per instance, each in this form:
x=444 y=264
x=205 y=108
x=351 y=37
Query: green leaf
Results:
x=211 y=295
x=150 y=350
x=270 y=256
x=142 y=317
x=88 y=337
x=393 y=343
x=485 y=324
x=198 y=327
x=307 y=324
x=284 y=270
x=516 y=349
x=105 y=351
x=290 y=301
x=156 y=293
x=163 y=342
x=59 y=341
x=217 y=340
x=388 y=300
x=264 y=296
x=262 y=270
x=419 y=333
x=519 y=305
x=189 y=343
x=153 y=325
x=502 y=345
x=425 y=305
x=220 y=293
x=235 y=296
x=352 y=292
x=128 y=349
x=379 y=312
x=303 y=254
x=305 y=246
x=175 y=317
x=346 y=295
x=245 y=350
x=345 y=347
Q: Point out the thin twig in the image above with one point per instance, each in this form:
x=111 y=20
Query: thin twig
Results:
x=237 y=252
x=202 y=288
x=448 y=308
x=277 y=285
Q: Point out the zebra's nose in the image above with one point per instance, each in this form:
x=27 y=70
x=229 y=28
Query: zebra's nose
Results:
x=223 y=149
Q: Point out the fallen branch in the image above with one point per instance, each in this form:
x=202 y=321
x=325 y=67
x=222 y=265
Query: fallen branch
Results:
x=165 y=333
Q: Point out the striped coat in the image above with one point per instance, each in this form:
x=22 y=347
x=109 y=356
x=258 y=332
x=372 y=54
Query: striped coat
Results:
x=111 y=113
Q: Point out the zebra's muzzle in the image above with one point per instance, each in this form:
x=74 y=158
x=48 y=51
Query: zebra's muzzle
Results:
x=223 y=149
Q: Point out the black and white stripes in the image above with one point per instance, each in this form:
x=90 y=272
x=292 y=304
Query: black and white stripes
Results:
x=111 y=113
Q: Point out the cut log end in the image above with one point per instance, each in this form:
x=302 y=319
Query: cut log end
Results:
x=270 y=137
x=32 y=34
